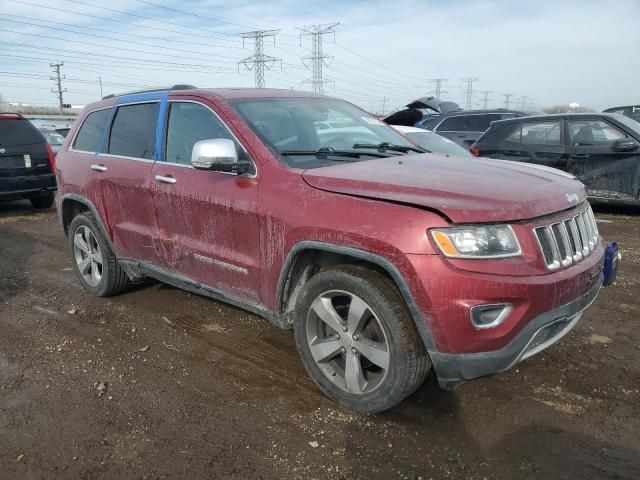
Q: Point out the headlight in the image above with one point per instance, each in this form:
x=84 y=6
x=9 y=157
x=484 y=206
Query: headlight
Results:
x=477 y=241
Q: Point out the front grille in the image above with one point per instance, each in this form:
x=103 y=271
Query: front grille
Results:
x=568 y=241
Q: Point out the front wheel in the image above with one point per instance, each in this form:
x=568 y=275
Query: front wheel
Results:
x=357 y=339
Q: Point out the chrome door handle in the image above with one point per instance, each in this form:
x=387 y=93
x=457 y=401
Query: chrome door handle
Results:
x=160 y=178
x=98 y=168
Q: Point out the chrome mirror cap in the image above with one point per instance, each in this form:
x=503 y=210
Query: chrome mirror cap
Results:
x=214 y=154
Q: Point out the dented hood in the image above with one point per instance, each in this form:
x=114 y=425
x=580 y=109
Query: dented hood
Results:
x=465 y=190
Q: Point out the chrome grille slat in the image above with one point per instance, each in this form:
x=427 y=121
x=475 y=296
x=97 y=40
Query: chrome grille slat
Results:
x=568 y=241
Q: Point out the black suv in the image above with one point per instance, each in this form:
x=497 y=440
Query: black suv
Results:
x=602 y=150
x=465 y=126
x=26 y=162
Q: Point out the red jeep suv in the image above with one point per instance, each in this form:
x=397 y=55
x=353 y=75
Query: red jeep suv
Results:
x=306 y=210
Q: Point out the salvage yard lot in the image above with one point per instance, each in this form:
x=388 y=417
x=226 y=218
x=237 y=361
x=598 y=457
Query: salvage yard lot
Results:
x=160 y=383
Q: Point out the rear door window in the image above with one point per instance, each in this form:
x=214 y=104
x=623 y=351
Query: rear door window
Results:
x=537 y=133
x=133 y=131
x=18 y=131
x=452 y=124
x=91 y=131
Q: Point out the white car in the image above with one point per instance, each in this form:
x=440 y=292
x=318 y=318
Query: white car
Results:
x=432 y=142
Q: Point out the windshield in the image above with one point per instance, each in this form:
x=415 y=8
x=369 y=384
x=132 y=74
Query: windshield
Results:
x=52 y=138
x=437 y=143
x=297 y=125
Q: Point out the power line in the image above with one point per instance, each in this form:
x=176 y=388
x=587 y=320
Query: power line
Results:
x=122 y=22
x=128 y=34
x=111 y=47
x=317 y=60
x=386 y=67
x=258 y=62
x=58 y=79
x=192 y=14
x=190 y=27
x=469 y=91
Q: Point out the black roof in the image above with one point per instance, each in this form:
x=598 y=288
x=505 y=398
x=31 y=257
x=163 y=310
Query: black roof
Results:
x=558 y=115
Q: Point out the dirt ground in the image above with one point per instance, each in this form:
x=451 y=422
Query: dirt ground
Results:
x=160 y=383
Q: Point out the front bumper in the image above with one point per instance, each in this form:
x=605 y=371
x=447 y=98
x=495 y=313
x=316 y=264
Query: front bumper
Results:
x=27 y=186
x=540 y=333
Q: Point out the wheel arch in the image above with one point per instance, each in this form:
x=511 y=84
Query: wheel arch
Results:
x=72 y=205
x=305 y=256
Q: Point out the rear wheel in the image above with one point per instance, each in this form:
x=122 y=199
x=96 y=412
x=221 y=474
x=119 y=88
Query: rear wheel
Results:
x=95 y=263
x=358 y=340
x=42 y=202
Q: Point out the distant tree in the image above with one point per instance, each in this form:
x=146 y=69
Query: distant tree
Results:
x=567 y=109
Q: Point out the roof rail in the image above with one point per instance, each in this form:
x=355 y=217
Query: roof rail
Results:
x=179 y=86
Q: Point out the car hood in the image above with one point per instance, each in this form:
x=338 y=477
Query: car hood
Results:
x=464 y=190
x=433 y=103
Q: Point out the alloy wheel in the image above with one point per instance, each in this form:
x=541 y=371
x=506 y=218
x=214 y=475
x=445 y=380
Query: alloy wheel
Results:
x=88 y=256
x=347 y=342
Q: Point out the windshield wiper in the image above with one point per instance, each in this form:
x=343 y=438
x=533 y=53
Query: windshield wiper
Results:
x=384 y=146
x=326 y=152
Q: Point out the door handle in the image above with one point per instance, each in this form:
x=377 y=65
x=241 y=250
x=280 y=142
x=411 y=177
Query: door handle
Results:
x=98 y=167
x=160 y=178
x=579 y=157
x=511 y=152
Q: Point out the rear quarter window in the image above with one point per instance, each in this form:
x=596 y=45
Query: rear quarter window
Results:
x=18 y=131
x=91 y=131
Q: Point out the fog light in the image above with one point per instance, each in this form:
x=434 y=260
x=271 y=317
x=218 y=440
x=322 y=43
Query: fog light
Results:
x=491 y=315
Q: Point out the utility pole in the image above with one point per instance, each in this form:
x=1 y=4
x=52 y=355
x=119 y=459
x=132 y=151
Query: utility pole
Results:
x=439 y=82
x=469 y=90
x=485 y=100
x=317 y=60
x=507 y=99
x=384 y=105
x=100 y=81
x=58 y=79
x=258 y=62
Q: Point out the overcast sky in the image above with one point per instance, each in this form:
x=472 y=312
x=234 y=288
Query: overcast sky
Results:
x=553 y=52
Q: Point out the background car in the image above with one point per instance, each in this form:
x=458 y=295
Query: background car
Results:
x=465 y=126
x=421 y=110
x=432 y=142
x=63 y=131
x=26 y=162
x=602 y=150
x=631 y=111
x=53 y=138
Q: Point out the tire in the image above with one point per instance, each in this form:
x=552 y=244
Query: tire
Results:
x=42 y=202
x=380 y=318
x=102 y=279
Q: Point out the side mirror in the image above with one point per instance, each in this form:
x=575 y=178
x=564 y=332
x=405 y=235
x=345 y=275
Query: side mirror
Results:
x=625 y=145
x=218 y=154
